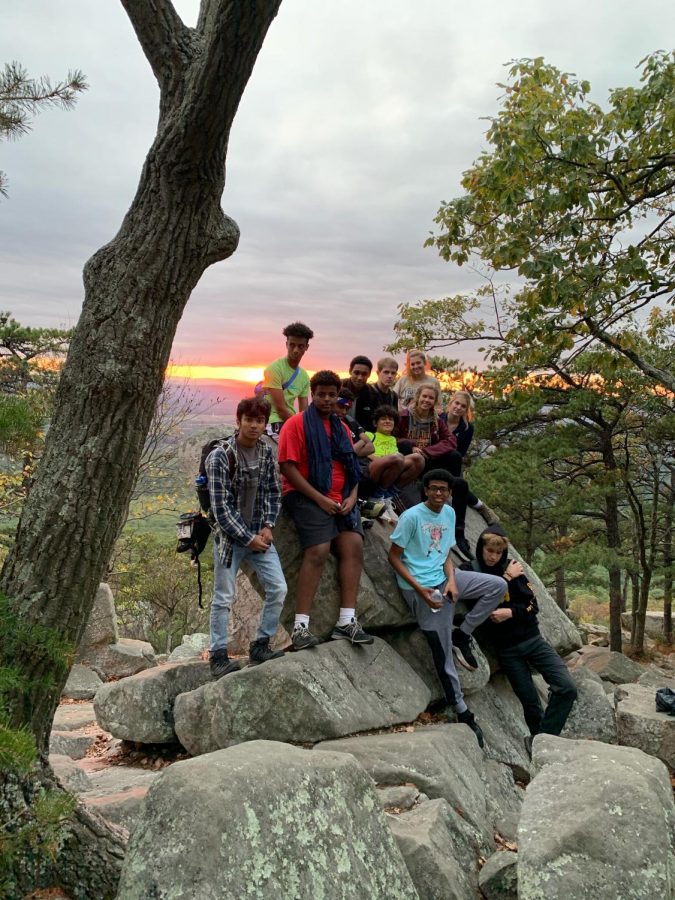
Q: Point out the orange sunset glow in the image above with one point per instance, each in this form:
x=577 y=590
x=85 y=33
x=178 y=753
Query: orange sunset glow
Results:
x=245 y=374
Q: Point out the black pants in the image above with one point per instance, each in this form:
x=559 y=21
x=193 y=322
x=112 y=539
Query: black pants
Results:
x=515 y=663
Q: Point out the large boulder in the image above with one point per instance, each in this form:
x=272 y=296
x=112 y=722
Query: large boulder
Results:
x=440 y=849
x=442 y=761
x=498 y=879
x=140 y=708
x=117 y=793
x=500 y=716
x=329 y=691
x=191 y=647
x=597 y=821
x=72 y=777
x=504 y=798
x=639 y=725
x=264 y=819
x=592 y=717
x=101 y=627
x=82 y=683
x=653 y=623
x=73 y=716
x=608 y=664
x=411 y=644
x=126 y=657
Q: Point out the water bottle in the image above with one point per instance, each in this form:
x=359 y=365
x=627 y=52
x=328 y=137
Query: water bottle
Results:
x=437 y=597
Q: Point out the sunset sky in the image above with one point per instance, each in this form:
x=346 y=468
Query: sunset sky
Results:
x=357 y=122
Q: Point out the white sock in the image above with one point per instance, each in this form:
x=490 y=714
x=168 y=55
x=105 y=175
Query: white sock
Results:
x=301 y=620
x=346 y=615
x=478 y=505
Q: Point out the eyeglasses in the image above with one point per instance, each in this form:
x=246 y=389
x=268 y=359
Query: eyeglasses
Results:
x=438 y=490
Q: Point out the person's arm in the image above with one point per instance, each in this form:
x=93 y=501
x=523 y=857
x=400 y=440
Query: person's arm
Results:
x=303 y=403
x=450 y=589
x=276 y=396
x=397 y=564
x=364 y=445
x=291 y=472
x=271 y=495
x=464 y=438
x=223 y=500
x=349 y=502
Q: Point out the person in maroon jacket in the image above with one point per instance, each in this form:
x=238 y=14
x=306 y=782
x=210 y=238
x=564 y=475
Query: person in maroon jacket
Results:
x=420 y=430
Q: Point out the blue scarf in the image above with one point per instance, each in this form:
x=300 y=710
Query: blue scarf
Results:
x=321 y=451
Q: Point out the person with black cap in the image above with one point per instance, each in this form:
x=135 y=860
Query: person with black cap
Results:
x=520 y=646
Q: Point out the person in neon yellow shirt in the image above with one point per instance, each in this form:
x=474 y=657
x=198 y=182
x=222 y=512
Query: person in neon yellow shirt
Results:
x=406 y=469
x=284 y=380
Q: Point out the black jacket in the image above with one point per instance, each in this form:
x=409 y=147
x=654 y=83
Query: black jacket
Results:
x=520 y=599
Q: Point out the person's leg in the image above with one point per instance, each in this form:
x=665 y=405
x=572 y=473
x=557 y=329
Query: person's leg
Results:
x=561 y=688
x=514 y=665
x=385 y=470
x=223 y=594
x=267 y=567
x=460 y=496
x=454 y=463
x=413 y=466
x=487 y=590
x=349 y=549
x=313 y=561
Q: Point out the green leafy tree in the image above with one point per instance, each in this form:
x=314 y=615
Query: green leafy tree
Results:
x=22 y=98
x=578 y=203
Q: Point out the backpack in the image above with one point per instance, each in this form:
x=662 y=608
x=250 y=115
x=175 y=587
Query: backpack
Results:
x=259 y=389
x=202 y=481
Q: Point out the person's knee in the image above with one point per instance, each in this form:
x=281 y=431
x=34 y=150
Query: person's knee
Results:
x=317 y=555
x=568 y=691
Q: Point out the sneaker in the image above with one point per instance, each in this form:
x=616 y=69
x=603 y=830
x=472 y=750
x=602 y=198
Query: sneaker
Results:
x=260 y=651
x=467 y=718
x=490 y=516
x=372 y=509
x=462 y=648
x=462 y=546
x=302 y=638
x=220 y=664
x=352 y=632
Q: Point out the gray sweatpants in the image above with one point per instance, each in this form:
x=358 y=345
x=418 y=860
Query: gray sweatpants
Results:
x=488 y=592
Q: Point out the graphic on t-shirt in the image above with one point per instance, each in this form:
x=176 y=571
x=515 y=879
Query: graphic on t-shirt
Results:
x=435 y=533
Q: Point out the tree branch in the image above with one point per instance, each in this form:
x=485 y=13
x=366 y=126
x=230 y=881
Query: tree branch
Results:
x=661 y=376
x=165 y=40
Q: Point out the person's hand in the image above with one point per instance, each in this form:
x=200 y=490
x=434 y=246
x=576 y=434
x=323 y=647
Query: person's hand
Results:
x=330 y=506
x=514 y=569
x=266 y=534
x=259 y=544
x=501 y=615
x=425 y=594
x=418 y=450
x=347 y=506
x=450 y=591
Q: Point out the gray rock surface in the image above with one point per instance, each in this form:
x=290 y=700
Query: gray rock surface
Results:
x=504 y=798
x=608 y=664
x=592 y=717
x=71 y=776
x=191 y=646
x=400 y=796
x=73 y=716
x=140 y=708
x=70 y=743
x=329 y=691
x=82 y=683
x=440 y=849
x=443 y=761
x=411 y=644
x=101 y=627
x=498 y=879
x=245 y=617
x=126 y=657
x=117 y=793
x=657 y=677
x=264 y=820
x=653 y=623
x=597 y=821
x=500 y=717
x=639 y=725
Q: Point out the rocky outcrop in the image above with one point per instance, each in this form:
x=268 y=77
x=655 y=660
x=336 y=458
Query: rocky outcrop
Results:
x=101 y=627
x=639 y=725
x=440 y=849
x=191 y=647
x=82 y=683
x=117 y=793
x=140 y=708
x=329 y=691
x=264 y=820
x=653 y=624
x=597 y=821
x=504 y=798
x=498 y=879
x=500 y=716
x=71 y=776
x=608 y=664
x=592 y=717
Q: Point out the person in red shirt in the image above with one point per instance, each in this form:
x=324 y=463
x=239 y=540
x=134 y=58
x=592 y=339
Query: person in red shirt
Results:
x=319 y=482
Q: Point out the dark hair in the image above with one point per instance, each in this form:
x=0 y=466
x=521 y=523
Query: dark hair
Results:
x=385 y=410
x=346 y=394
x=361 y=361
x=324 y=378
x=255 y=407
x=437 y=475
x=298 y=329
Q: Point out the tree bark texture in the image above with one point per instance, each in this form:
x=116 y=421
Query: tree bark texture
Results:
x=136 y=288
x=614 y=545
x=668 y=559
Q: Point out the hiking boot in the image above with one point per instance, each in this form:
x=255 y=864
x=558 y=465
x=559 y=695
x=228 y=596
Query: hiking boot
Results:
x=352 y=632
x=260 y=651
x=462 y=648
x=302 y=638
x=462 y=546
x=221 y=664
x=490 y=516
x=467 y=718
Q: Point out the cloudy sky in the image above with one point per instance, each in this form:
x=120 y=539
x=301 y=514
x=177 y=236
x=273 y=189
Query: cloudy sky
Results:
x=358 y=120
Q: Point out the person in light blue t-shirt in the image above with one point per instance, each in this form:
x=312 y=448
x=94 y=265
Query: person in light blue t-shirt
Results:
x=420 y=557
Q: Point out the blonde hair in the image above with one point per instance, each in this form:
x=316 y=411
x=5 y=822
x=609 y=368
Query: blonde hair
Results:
x=388 y=361
x=495 y=542
x=409 y=355
x=426 y=386
x=470 y=404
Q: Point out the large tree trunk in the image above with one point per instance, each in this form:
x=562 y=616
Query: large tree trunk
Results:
x=668 y=560
x=135 y=290
x=614 y=544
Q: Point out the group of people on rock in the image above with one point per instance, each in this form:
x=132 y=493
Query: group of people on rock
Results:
x=347 y=441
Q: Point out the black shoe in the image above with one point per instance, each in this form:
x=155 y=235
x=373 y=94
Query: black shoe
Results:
x=467 y=718
x=221 y=664
x=351 y=632
x=462 y=546
x=302 y=638
x=462 y=648
x=259 y=652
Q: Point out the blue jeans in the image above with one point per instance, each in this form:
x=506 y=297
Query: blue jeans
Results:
x=267 y=567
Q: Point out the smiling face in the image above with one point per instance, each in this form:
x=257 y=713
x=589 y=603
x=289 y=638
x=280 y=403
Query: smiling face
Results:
x=426 y=399
x=437 y=492
x=416 y=365
x=296 y=348
x=324 y=399
x=385 y=425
